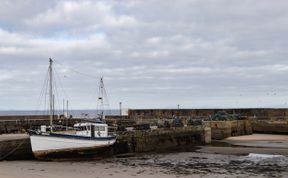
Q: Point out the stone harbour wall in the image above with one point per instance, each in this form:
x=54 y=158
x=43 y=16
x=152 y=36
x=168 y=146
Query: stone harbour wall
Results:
x=259 y=113
x=270 y=127
x=165 y=139
x=224 y=129
x=261 y=120
x=13 y=148
x=16 y=124
x=19 y=148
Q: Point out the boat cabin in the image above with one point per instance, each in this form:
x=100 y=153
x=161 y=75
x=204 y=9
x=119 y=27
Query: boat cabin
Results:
x=91 y=129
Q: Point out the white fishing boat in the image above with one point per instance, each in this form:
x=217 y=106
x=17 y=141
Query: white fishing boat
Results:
x=83 y=138
x=87 y=137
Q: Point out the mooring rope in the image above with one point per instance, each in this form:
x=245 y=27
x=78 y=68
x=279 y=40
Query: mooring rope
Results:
x=12 y=151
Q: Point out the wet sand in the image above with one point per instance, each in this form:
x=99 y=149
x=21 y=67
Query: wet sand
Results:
x=208 y=161
x=243 y=145
x=259 y=140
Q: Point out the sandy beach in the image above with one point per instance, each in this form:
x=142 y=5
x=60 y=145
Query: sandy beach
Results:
x=208 y=161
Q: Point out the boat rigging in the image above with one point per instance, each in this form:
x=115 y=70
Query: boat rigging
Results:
x=84 y=138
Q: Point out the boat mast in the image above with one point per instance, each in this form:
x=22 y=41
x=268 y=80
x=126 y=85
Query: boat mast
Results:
x=102 y=99
x=51 y=93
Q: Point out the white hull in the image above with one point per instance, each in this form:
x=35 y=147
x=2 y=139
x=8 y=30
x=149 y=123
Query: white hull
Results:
x=45 y=144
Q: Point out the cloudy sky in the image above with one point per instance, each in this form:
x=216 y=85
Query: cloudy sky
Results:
x=152 y=53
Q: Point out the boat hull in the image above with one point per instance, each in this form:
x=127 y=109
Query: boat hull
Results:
x=58 y=146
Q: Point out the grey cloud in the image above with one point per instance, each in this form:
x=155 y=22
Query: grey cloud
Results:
x=197 y=53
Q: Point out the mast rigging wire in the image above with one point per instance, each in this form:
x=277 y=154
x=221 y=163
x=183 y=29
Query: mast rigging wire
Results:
x=76 y=71
x=58 y=83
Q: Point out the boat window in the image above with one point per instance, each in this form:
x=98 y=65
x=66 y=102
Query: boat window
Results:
x=81 y=128
x=99 y=128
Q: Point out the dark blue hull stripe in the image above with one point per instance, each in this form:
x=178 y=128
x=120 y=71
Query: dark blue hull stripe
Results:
x=78 y=137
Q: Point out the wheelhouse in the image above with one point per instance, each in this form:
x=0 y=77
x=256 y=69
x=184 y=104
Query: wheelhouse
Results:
x=91 y=129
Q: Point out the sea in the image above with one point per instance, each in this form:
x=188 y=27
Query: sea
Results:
x=78 y=113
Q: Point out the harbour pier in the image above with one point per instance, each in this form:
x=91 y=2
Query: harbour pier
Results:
x=137 y=132
x=17 y=146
